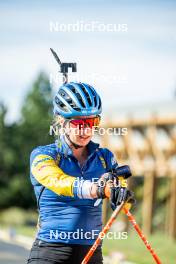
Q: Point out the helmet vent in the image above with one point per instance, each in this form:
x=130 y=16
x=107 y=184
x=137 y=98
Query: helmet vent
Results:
x=95 y=100
x=73 y=89
x=67 y=98
x=78 y=96
x=77 y=109
x=61 y=104
x=95 y=97
x=87 y=94
x=64 y=94
x=80 y=99
x=99 y=107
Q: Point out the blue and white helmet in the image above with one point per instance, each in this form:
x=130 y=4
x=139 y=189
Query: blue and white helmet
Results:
x=77 y=99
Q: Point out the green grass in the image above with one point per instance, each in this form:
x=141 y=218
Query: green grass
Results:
x=21 y=230
x=135 y=250
x=22 y=221
x=132 y=247
x=26 y=230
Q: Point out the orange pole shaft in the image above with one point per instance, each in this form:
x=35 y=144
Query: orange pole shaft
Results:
x=108 y=226
x=139 y=231
x=102 y=234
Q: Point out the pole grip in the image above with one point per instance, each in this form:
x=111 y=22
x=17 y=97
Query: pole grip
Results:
x=123 y=171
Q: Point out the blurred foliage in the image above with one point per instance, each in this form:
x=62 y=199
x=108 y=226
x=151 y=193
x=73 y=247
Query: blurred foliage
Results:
x=17 y=141
x=160 y=202
x=16 y=216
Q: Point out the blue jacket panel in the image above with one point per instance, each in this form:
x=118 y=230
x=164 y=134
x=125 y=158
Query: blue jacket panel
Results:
x=70 y=219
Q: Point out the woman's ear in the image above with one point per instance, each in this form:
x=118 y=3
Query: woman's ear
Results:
x=60 y=120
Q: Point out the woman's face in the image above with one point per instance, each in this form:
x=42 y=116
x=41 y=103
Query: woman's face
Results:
x=80 y=135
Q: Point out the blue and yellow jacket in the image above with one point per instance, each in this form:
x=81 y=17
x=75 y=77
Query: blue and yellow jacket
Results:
x=57 y=179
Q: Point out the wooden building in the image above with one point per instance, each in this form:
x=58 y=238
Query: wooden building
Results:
x=145 y=138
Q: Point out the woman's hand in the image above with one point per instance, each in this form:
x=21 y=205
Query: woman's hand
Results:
x=111 y=187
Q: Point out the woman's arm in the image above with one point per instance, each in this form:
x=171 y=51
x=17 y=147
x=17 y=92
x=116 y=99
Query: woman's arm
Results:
x=46 y=172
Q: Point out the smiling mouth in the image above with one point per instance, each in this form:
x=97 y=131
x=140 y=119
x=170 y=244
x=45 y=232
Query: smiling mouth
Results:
x=83 y=137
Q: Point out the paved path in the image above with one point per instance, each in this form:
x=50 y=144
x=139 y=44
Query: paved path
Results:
x=12 y=254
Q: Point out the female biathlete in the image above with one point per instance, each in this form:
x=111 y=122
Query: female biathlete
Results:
x=67 y=177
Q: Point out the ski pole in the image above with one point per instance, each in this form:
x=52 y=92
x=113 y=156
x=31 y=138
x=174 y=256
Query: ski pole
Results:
x=139 y=231
x=102 y=234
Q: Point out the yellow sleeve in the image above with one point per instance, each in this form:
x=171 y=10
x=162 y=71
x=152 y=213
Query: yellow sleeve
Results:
x=47 y=172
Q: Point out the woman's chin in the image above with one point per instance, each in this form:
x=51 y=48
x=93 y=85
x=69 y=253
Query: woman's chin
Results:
x=83 y=141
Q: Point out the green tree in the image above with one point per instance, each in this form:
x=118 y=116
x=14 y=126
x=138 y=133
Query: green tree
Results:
x=34 y=129
x=37 y=113
x=17 y=141
x=7 y=157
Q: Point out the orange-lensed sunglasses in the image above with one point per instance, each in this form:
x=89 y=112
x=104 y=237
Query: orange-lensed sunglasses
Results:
x=86 y=122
